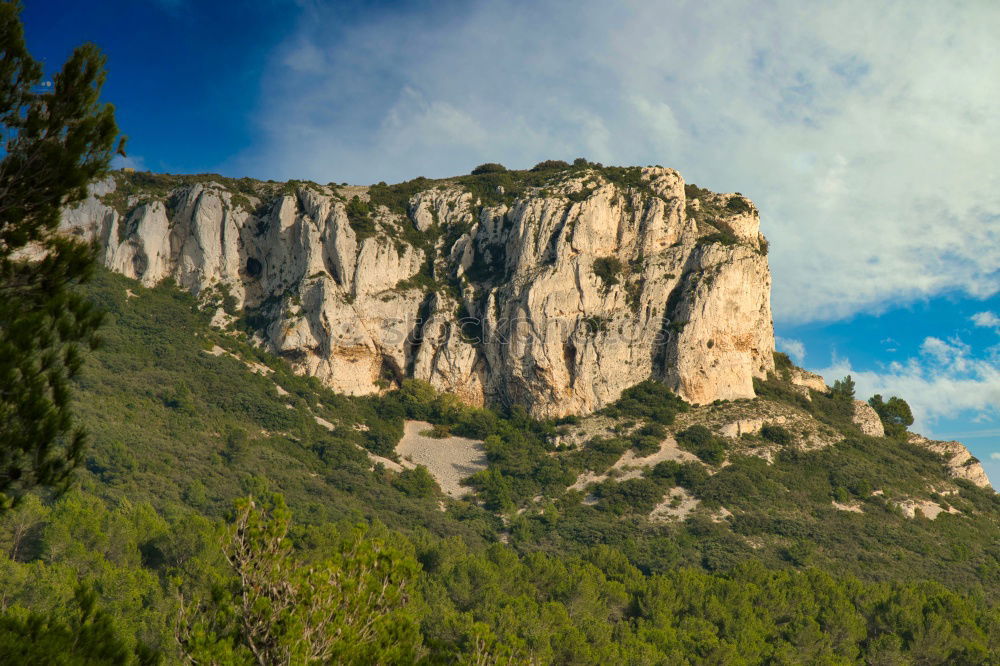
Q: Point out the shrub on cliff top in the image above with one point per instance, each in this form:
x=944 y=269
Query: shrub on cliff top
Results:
x=548 y=165
x=737 y=204
x=488 y=167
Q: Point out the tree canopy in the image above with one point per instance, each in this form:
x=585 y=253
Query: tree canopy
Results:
x=56 y=142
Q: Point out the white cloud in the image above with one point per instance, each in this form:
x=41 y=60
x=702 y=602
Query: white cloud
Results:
x=865 y=131
x=995 y=455
x=793 y=348
x=944 y=380
x=986 y=319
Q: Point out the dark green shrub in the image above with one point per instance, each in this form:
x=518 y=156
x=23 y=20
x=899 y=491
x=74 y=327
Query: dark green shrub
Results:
x=615 y=445
x=440 y=431
x=647 y=439
x=723 y=237
x=608 y=269
x=596 y=324
x=550 y=165
x=650 y=400
x=416 y=482
x=776 y=433
x=236 y=445
x=645 y=445
x=737 y=204
x=783 y=365
x=695 y=436
x=359 y=217
x=690 y=475
x=630 y=496
x=700 y=441
x=488 y=167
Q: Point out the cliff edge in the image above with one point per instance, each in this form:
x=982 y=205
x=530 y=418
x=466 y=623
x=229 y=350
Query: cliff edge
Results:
x=555 y=288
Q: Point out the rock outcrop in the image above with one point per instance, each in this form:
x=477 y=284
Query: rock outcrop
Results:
x=808 y=380
x=960 y=463
x=556 y=290
x=867 y=419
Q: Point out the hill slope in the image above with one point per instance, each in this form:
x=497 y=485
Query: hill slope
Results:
x=573 y=508
x=622 y=529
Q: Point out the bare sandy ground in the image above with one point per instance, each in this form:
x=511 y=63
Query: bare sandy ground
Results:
x=853 y=507
x=449 y=460
x=630 y=466
x=671 y=509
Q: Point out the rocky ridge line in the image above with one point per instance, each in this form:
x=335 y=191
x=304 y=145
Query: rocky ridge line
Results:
x=557 y=295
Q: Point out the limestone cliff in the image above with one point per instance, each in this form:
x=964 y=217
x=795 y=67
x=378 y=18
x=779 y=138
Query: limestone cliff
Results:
x=960 y=462
x=555 y=289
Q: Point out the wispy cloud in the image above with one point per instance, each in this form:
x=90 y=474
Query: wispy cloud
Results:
x=794 y=348
x=986 y=319
x=945 y=379
x=866 y=131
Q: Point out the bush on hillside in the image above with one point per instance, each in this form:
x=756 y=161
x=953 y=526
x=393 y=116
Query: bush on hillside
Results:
x=488 y=167
x=650 y=400
x=700 y=441
x=549 y=165
x=776 y=433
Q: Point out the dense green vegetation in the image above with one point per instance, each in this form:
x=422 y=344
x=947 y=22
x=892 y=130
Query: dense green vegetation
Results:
x=181 y=434
x=449 y=602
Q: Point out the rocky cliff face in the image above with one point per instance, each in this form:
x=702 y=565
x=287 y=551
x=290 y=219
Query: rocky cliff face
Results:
x=960 y=462
x=555 y=289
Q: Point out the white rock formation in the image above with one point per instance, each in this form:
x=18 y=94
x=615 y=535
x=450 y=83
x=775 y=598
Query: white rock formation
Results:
x=750 y=426
x=809 y=380
x=557 y=297
x=958 y=460
x=867 y=420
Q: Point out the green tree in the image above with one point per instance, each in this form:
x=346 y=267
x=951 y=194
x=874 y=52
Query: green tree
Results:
x=55 y=143
x=275 y=608
x=20 y=529
x=86 y=634
x=895 y=414
x=843 y=389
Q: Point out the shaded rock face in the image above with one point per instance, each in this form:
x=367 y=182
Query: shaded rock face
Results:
x=557 y=297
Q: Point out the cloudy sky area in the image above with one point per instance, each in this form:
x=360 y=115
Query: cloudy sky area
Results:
x=866 y=132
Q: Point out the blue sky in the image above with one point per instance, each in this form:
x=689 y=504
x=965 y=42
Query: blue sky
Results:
x=866 y=131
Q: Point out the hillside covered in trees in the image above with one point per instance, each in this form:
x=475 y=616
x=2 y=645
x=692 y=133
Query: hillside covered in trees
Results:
x=765 y=568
